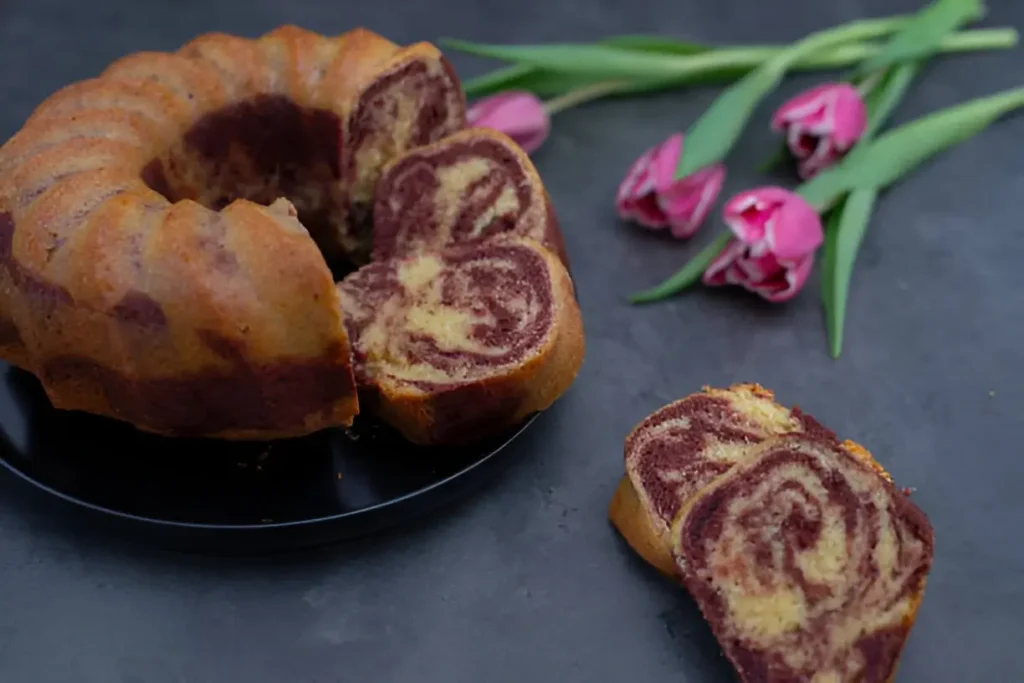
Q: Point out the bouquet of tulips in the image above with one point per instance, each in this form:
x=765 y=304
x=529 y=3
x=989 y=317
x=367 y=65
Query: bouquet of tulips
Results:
x=834 y=132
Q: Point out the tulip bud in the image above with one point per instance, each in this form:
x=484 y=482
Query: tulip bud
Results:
x=776 y=234
x=650 y=196
x=517 y=114
x=821 y=125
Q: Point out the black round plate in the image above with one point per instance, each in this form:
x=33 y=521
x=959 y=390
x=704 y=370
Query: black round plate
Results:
x=207 y=495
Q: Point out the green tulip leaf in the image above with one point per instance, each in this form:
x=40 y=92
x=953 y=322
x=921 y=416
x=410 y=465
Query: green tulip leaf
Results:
x=712 y=136
x=728 y=64
x=883 y=161
x=922 y=34
x=884 y=98
x=660 y=44
x=841 y=247
x=596 y=60
x=546 y=83
x=828 y=255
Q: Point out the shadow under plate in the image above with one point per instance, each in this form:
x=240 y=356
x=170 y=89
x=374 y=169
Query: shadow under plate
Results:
x=221 y=496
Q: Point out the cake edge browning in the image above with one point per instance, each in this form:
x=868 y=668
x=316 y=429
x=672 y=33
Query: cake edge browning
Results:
x=634 y=522
x=206 y=360
x=632 y=513
x=856 y=453
x=537 y=217
x=535 y=384
x=432 y=417
x=435 y=119
x=151 y=100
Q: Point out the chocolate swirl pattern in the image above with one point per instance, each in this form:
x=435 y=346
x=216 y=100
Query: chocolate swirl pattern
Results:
x=470 y=186
x=807 y=562
x=682 y=447
x=455 y=345
x=142 y=274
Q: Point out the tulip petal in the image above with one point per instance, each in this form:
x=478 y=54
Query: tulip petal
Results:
x=850 y=117
x=688 y=201
x=518 y=114
x=776 y=235
x=821 y=125
x=797 y=229
x=747 y=213
x=794 y=276
x=650 y=196
x=666 y=159
x=801 y=106
x=636 y=199
x=717 y=273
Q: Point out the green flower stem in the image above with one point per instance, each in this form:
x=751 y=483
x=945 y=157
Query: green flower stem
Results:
x=870 y=82
x=919 y=37
x=712 y=136
x=608 y=61
x=600 y=89
x=869 y=168
x=894 y=154
x=688 y=275
x=736 y=62
x=846 y=228
x=848 y=222
x=580 y=96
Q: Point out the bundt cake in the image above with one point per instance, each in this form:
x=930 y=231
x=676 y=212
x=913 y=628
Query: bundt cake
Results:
x=167 y=228
x=458 y=344
x=806 y=561
x=469 y=186
x=679 y=449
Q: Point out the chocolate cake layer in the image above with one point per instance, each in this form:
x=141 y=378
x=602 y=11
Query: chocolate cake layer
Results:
x=807 y=562
x=465 y=334
x=468 y=187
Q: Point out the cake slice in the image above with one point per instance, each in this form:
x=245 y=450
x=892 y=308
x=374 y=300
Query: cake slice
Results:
x=458 y=345
x=681 y=448
x=469 y=186
x=808 y=564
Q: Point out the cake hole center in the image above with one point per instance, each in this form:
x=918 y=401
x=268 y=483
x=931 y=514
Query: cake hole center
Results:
x=260 y=149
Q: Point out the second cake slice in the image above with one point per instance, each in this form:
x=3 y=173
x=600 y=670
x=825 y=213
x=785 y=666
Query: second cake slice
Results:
x=457 y=345
x=807 y=562
x=682 y=447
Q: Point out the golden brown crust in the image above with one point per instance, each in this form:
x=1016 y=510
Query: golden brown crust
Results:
x=865 y=456
x=114 y=295
x=637 y=522
x=806 y=559
x=715 y=418
x=629 y=517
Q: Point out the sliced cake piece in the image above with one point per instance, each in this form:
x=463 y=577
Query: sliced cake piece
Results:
x=806 y=561
x=469 y=186
x=460 y=344
x=682 y=447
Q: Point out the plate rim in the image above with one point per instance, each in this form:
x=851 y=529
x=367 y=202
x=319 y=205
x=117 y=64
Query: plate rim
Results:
x=129 y=517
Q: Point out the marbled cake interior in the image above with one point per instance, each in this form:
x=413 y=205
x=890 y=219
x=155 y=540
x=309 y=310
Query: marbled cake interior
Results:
x=808 y=564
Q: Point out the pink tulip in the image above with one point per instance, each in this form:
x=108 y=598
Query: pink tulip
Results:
x=821 y=125
x=650 y=196
x=517 y=114
x=776 y=235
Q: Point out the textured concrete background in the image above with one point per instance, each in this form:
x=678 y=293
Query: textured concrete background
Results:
x=525 y=581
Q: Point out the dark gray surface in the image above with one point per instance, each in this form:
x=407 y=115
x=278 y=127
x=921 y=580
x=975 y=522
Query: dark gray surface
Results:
x=526 y=581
